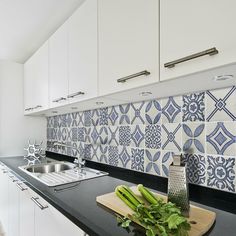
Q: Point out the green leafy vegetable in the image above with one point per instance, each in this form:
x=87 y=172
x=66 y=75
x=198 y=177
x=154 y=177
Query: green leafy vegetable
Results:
x=158 y=218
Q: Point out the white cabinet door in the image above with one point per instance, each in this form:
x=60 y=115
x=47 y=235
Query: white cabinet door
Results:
x=4 y=201
x=13 y=209
x=36 y=81
x=128 y=43
x=83 y=52
x=26 y=212
x=192 y=26
x=50 y=221
x=58 y=67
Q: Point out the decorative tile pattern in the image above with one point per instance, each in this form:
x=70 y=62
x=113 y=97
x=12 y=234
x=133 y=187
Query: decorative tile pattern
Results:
x=221 y=105
x=80 y=134
x=167 y=159
x=113 y=135
x=137 y=136
x=124 y=156
x=113 y=155
x=124 y=114
x=152 y=162
x=196 y=168
x=113 y=116
x=137 y=159
x=194 y=107
x=87 y=118
x=153 y=136
x=103 y=135
x=171 y=136
x=221 y=173
x=103 y=116
x=124 y=135
x=221 y=138
x=137 y=113
x=171 y=110
x=95 y=117
x=194 y=138
x=144 y=136
x=153 y=112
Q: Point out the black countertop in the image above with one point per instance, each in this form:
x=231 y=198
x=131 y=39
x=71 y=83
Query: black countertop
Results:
x=79 y=204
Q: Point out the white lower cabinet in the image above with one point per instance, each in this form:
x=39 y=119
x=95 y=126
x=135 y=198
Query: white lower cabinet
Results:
x=25 y=213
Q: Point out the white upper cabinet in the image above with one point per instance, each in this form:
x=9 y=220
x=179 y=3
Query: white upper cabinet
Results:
x=82 y=57
x=194 y=26
x=128 y=44
x=36 y=81
x=58 y=67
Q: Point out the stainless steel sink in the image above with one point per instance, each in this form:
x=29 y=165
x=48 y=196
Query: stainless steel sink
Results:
x=48 y=168
x=59 y=173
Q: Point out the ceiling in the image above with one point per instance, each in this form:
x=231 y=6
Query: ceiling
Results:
x=26 y=24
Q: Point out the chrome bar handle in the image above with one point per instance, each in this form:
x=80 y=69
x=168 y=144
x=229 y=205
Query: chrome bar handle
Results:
x=124 y=79
x=20 y=187
x=38 y=106
x=75 y=94
x=28 y=109
x=59 y=99
x=210 y=52
x=35 y=200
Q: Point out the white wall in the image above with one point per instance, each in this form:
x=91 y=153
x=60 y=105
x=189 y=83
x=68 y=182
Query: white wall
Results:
x=15 y=128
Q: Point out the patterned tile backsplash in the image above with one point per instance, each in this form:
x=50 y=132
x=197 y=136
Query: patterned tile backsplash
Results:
x=144 y=136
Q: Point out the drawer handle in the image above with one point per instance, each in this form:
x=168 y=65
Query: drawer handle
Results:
x=210 y=52
x=20 y=187
x=35 y=200
x=38 y=106
x=75 y=94
x=124 y=79
x=29 y=109
x=59 y=99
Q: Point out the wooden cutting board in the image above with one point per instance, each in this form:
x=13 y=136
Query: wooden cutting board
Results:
x=200 y=219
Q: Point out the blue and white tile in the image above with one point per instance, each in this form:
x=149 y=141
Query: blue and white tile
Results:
x=62 y=121
x=194 y=107
x=153 y=136
x=81 y=134
x=74 y=134
x=221 y=138
x=124 y=113
x=221 y=104
x=221 y=172
x=80 y=118
x=87 y=151
x=62 y=134
x=56 y=122
x=69 y=120
x=113 y=115
x=196 y=168
x=137 y=159
x=103 y=135
x=103 y=154
x=124 y=135
x=171 y=137
x=74 y=119
x=171 y=109
x=124 y=157
x=113 y=135
x=113 y=155
x=95 y=117
x=194 y=137
x=94 y=135
x=74 y=149
x=137 y=113
x=103 y=116
x=87 y=118
x=138 y=136
x=80 y=146
x=152 y=162
x=166 y=161
x=95 y=151
x=87 y=134
x=152 y=112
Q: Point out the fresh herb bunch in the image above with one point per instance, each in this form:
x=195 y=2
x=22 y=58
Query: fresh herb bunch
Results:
x=158 y=218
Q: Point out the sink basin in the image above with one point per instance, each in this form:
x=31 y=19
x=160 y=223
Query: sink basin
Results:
x=48 y=168
x=59 y=173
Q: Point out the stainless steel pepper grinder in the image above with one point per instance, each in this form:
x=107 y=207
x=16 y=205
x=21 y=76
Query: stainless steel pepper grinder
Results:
x=178 y=191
